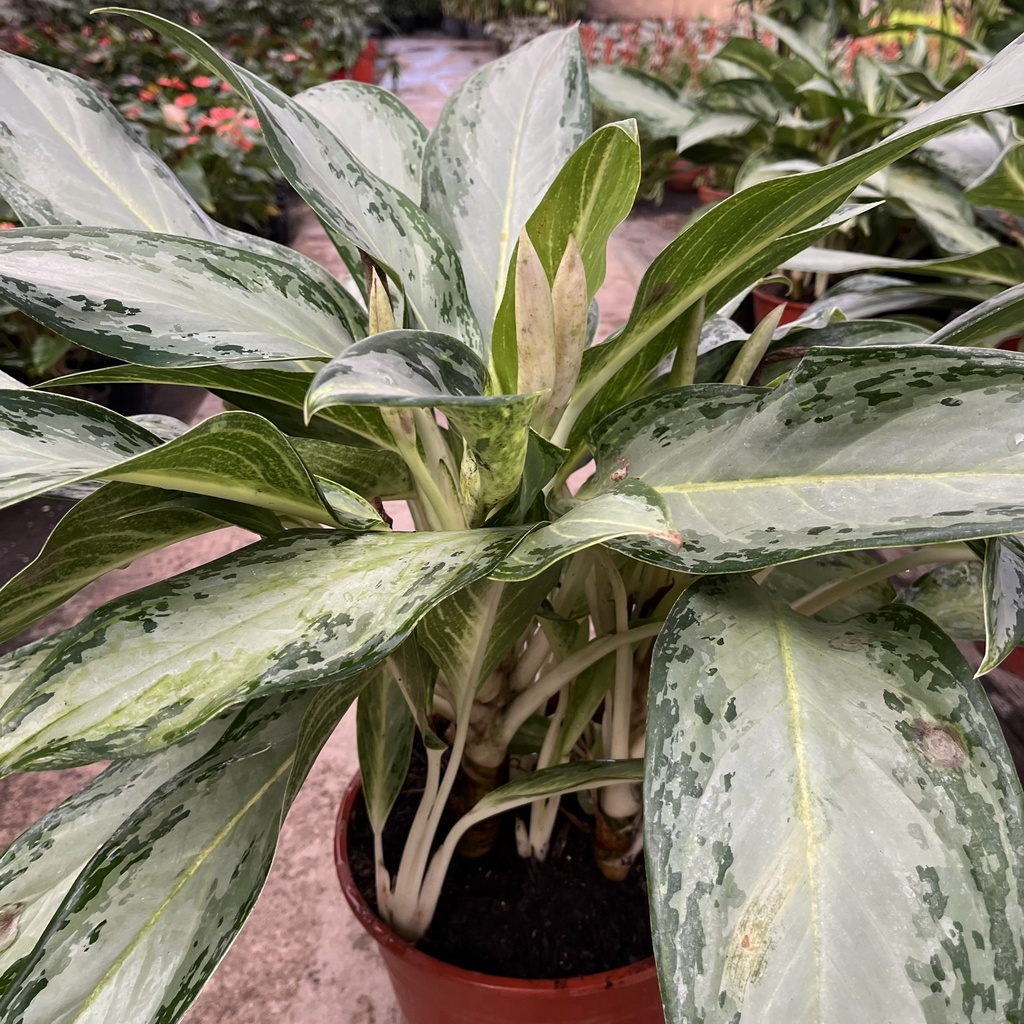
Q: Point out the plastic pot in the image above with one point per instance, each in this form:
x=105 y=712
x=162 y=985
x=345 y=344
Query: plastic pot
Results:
x=706 y=194
x=765 y=300
x=685 y=176
x=430 y=991
x=365 y=67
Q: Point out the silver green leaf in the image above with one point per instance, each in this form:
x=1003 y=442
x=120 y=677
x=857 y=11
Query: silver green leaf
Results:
x=400 y=367
x=988 y=323
x=59 y=130
x=1002 y=264
x=107 y=530
x=797 y=579
x=146 y=298
x=51 y=441
x=40 y=867
x=189 y=862
x=303 y=608
x=821 y=462
x=1003 y=589
x=951 y=596
x=1002 y=185
x=501 y=139
x=379 y=129
x=350 y=199
x=833 y=822
x=626 y=508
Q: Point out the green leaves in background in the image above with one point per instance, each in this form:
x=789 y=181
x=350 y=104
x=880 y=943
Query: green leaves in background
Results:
x=817 y=797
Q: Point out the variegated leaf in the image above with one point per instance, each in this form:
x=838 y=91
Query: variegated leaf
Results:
x=797 y=579
x=628 y=92
x=108 y=530
x=469 y=634
x=821 y=463
x=1002 y=264
x=951 y=596
x=273 y=389
x=349 y=198
x=940 y=209
x=626 y=508
x=1003 y=591
x=1002 y=185
x=165 y=301
x=724 y=246
x=190 y=862
x=512 y=125
x=379 y=129
x=300 y=609
x=371 y=472
x=51 y=441
x=833 y=822
x=400 y=367
x=988 y=323
x=39 y=869
x=590 y=197
x=58 y=129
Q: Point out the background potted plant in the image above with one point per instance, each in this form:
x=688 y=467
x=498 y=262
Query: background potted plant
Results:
x=721 y=518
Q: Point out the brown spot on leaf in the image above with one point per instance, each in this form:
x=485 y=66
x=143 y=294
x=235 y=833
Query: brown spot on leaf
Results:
x=622 y=472
x=9 y=917
x=745 y=944
x=940 y=744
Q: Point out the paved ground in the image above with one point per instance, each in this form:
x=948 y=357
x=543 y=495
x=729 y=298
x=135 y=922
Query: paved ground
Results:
x=302 y=957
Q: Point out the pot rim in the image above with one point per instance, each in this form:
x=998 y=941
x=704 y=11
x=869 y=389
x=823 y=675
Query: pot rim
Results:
x=399 y=948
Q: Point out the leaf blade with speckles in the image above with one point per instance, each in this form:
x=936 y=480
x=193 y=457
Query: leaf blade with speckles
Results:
x=512 y=125
x=821 y=462
x=813 y=838
x=1003 y=591
x=349 y=198
x=165 y=301
x=107 y=530
x=298 y=610
x=59 y=128
x=382 y=132
x=190 y=861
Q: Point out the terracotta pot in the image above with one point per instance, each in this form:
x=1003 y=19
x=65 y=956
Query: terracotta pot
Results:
x=430 y=991
x=685 y=177
x=1012 y=345
x=706 y=194
x=765 y=300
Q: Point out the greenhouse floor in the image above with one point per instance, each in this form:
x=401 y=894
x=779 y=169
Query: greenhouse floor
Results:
x=302 y=956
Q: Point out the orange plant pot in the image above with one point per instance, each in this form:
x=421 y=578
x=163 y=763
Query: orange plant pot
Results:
x=430 y=991
x=706 y=194
x=685 y=177
x=365 y=67
x=765 y=301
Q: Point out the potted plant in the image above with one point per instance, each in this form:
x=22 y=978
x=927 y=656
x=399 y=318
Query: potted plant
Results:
x=825 y=794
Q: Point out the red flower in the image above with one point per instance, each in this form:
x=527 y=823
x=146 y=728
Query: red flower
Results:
x=289 y=57
x=224 y=87
x=146 y=95
x=192 y=139
x=132 y=112
x=202 y=82
x=188 y=100
x=172 y=83
x=5 y=225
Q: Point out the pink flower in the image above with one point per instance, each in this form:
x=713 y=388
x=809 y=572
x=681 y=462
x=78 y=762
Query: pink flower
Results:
x=202 y=82
x=289 y=57
x=187 y=100
x=5 y=225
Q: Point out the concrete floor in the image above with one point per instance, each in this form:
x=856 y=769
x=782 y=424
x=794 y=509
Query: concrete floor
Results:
x=302 y=957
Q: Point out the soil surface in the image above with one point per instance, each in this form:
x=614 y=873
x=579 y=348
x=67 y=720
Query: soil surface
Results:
x=516 y=918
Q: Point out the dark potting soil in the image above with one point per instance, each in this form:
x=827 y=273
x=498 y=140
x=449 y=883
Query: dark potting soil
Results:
x=512 y=917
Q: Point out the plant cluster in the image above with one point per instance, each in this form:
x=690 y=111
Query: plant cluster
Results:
x=699 y=637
